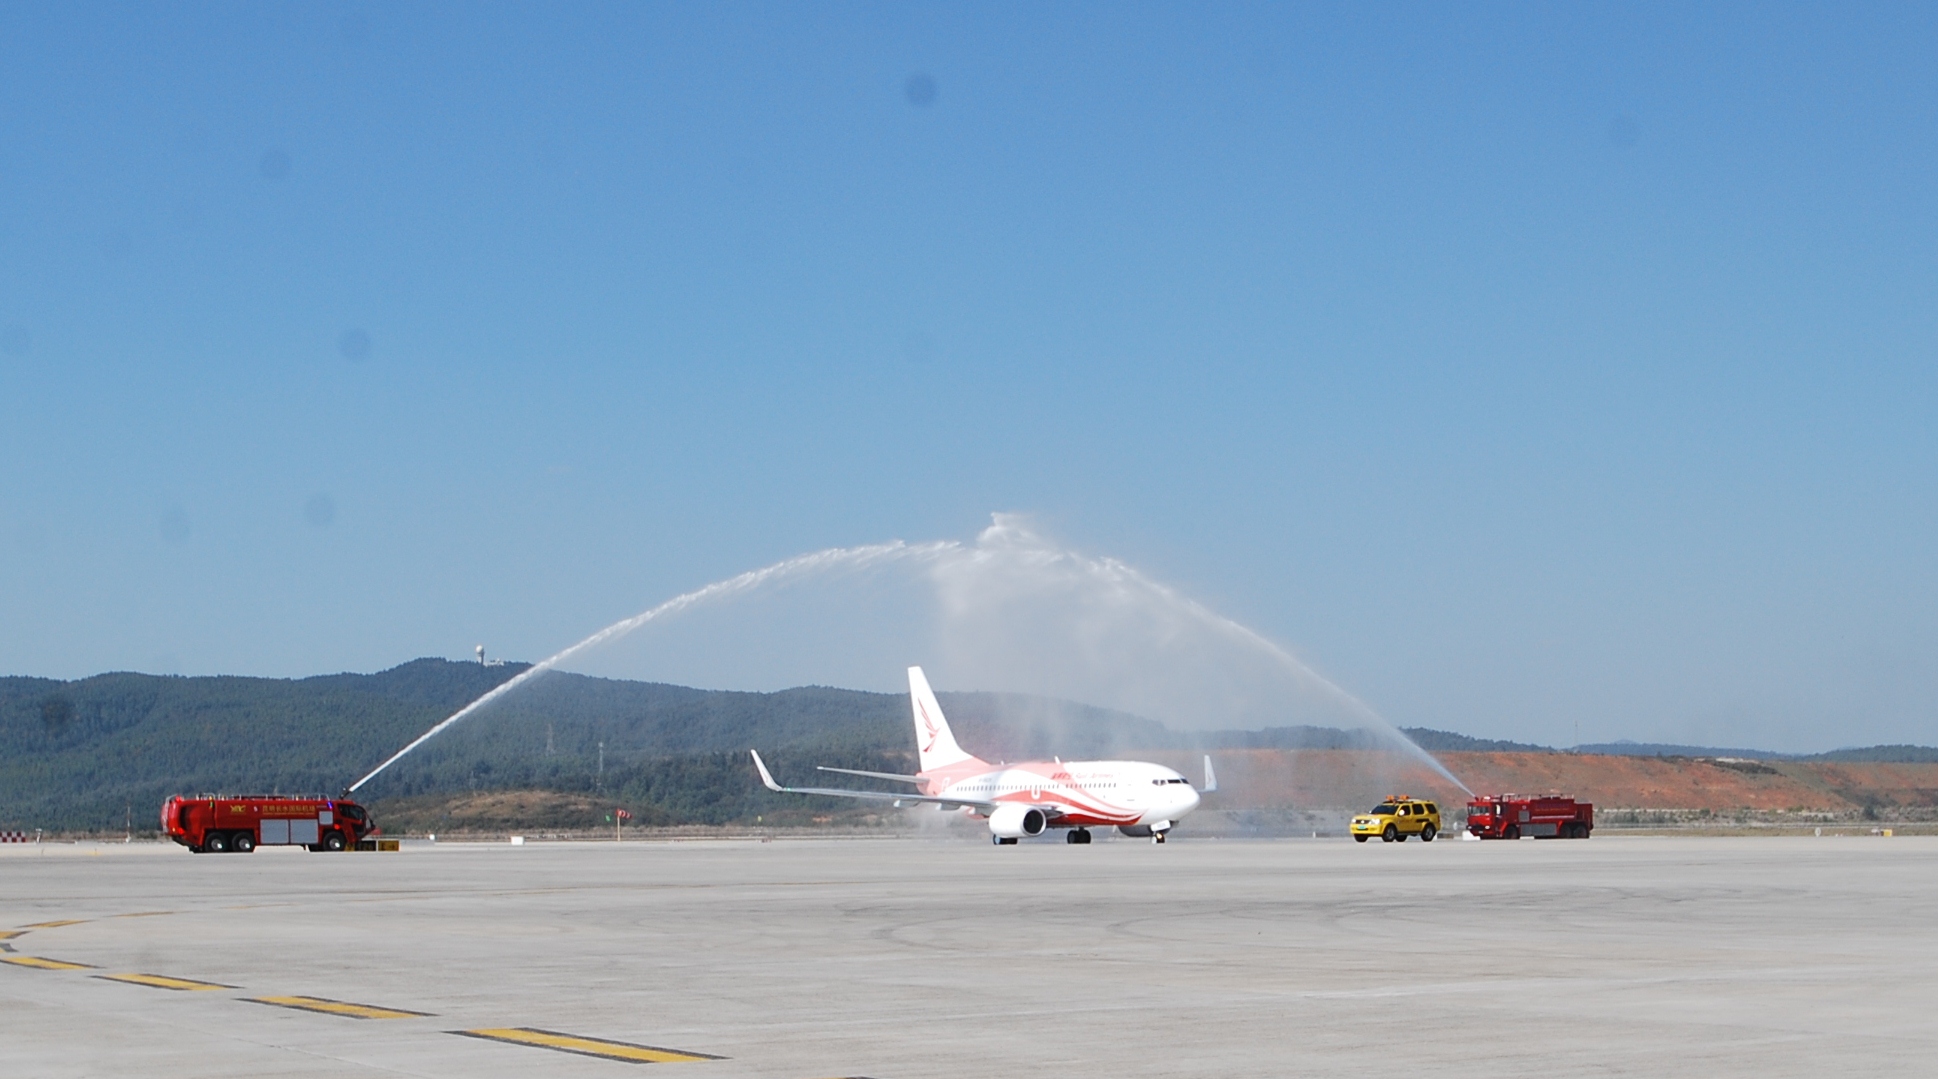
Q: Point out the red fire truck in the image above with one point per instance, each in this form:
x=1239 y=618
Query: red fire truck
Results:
x=1511 y=816
x=217 y=823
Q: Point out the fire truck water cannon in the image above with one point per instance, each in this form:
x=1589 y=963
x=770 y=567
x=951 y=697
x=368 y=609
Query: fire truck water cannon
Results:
x=1511 y=816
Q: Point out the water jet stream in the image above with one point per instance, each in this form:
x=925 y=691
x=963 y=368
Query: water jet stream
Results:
x=853 y=556
x=1007 y=567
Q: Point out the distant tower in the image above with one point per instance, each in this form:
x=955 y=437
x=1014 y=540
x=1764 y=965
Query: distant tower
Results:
x=481 y=655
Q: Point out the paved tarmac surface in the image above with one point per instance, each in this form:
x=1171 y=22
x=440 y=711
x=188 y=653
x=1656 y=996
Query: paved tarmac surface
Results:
x=926 y=959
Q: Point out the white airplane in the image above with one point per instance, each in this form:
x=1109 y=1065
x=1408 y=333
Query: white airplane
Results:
x=1024 y=799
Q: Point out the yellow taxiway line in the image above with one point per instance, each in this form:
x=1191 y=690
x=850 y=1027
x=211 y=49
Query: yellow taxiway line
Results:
x=42 y=964
x=592 y=1047
x=337 y=1007
x=163 y=981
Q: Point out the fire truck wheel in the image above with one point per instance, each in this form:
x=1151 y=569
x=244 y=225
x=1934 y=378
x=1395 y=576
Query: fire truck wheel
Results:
x=216 y=842
x=243 y=843
x=1390 y=835
x=1427 y=834
x=333 y=841
x=1513 y=832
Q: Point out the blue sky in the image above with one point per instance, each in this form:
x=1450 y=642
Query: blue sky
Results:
x=1535 y=371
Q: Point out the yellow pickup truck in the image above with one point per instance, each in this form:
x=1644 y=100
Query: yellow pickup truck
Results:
x=1396 y=818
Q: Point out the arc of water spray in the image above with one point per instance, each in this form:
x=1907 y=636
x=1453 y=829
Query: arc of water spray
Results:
x=1121 y=574
x=857 y=556
x=1299 y=668
x=863 y=556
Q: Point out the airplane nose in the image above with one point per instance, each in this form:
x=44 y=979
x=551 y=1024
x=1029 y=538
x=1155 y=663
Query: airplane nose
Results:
x=1187 y=801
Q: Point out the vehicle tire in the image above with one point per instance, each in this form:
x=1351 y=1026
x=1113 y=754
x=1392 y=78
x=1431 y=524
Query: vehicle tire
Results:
x=1157 y=837
x=243 y=843
x=1391 y=834
x=1359 y=839
x=1513 y=832
x=333 y=841
x=1427 y=833
x=216 y=842
x=1077 y=835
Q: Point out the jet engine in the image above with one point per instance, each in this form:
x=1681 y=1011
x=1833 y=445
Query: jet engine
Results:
x=1016 y=821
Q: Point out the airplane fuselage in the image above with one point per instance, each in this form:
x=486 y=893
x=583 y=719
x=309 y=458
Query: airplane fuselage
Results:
x=1084 y=793
x=1025 y=799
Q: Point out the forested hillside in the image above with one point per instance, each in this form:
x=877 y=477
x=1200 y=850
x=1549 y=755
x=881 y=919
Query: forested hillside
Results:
x=83 y=755
x=80 y=754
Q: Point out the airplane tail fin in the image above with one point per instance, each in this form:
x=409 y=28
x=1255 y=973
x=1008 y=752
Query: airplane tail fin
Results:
x=934 y=742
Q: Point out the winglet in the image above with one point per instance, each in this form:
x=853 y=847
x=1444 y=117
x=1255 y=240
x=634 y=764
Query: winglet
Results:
x=768 y=777
x=1211 y=777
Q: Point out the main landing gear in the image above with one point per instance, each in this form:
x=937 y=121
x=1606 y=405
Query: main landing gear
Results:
x=1077 y=835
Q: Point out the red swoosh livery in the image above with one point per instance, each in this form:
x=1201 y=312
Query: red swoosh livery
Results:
x=1028 y=798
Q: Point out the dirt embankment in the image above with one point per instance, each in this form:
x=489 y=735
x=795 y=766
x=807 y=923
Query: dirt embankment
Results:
x=1291 y=791
x=489 y=811
x=1262 y=778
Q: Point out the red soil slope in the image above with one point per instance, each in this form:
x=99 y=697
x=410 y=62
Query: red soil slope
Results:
x=1334 y=778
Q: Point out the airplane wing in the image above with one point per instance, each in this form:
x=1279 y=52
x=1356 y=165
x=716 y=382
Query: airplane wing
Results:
x=870 y=775
x=767 y=778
